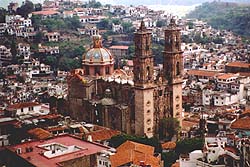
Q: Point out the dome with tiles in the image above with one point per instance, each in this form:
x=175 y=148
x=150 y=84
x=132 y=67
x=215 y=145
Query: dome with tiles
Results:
x=98 y=55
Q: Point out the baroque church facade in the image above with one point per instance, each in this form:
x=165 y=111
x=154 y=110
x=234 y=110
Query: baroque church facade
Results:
x=133 y=102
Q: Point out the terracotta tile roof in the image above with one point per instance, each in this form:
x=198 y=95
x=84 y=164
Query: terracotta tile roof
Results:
x=186 y=125
x=40 y=134
x=122 y=47
x=37 y=158
x=22 y=105
x=202 y=73
x=225 y=76
x=46 y=12
x=238 y=64
x=49 y=116
x=132 y=152
x=242 y=123
x=103 y=134
x=168 y=145
x=177 y=164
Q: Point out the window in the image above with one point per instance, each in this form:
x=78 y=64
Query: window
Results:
x=160 y=93
x=148 y=73
x=21 y=109
x=107 y=70
x=148 y=111
x=148 y=121
x=149 y=129
x=100 y=162
x=178 y=72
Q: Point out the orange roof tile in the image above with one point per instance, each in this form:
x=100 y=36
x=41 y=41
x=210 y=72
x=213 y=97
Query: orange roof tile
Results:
x=135 y=153
x=45 y=12
x=103 y=134
x=22 y=105
x=242 y=123
x=169 y=145
x=238 y=64
x=225 y=76
x=40 y=133
x=202 y=73
x=122 y=47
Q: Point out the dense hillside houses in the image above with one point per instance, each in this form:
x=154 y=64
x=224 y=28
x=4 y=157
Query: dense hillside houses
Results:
x=96 y=85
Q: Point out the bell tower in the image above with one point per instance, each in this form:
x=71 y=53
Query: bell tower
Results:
x=143 y=82
x=173 y=67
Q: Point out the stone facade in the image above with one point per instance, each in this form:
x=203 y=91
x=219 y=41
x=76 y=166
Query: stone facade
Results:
x=132 y=106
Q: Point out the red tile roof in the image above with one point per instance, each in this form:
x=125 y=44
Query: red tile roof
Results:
x=38 y=159
x=45 y=12
x=135 y=153
x=238 y=64
x=168 y=145
x=22 y=105
x=226 y=76
x=205 y=73
x=103 y=134
x=241 y=123
x=40 y=133
x=122 y=47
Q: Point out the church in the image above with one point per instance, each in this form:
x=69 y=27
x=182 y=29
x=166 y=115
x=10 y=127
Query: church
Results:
x=133 y=102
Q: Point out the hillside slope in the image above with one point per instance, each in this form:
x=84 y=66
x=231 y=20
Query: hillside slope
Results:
x=222 y=15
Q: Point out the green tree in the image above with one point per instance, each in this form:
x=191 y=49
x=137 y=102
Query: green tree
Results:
x=3 y=13
x=73 y=23
x=51 y=60
x=168 y=128
x=26 y=8
x=104 y=24
x=38 y=7
x=188 y=145
x=36 y=21
x=160 y=23
x=190 y=25
x=127 y=27
x=38 y=37
x=169 y=158
x=116 y=21
x=94 y=4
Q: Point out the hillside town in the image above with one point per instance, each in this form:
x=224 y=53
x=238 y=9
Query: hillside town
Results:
x=84 y=84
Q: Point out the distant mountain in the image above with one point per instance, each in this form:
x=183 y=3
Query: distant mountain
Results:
x=222 y=15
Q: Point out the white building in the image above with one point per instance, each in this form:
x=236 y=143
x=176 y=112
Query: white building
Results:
x=23 y=50
x=52 y=36
x=27 y=109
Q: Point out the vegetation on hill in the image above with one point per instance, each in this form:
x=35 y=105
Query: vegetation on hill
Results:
x=225 y=15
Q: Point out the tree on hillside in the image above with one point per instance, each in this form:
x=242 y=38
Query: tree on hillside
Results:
x=160 y=23
x=2 y=15
x=94 y=4
x=38 y=7
x=127 y=27
x=168 y=128
x=188 y=145
x=26 y=8
x=104 y=24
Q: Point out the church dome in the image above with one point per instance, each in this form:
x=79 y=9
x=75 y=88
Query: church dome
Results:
x=97 y=55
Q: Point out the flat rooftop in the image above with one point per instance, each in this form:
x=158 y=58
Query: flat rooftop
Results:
x=53 y=151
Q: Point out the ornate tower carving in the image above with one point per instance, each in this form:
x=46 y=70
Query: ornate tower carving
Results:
x=173 y=67
x=143 y=82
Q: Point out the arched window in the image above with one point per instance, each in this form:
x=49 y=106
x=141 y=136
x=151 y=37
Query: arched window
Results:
x=148 y=73
x=178 y=72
